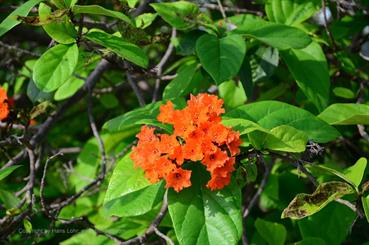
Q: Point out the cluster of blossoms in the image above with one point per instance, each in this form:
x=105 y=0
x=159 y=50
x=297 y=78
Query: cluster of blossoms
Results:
x=198 y=135
x=4 y=106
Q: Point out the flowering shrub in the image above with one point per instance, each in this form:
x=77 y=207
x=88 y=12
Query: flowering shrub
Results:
x=198 y=135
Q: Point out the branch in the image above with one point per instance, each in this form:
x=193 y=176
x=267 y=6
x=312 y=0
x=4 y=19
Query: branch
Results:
x=159 y=67
x=256 y=196
x=231 y=9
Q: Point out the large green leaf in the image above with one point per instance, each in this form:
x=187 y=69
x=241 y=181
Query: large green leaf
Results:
x=6 y=171
x=61 y=31
x=8 y=199
x=346 y=114
x=221 y=58
x=177 y=87
x=69 y=88
x=12 y=20
x=201 y=216
x=279 y=138
x=98 y=10
x=304 y=205
x=290 y=12
x=126 y=50
x=365 y=203
x=333 y=224
x=55 y=67
x=310 y=70
x=132 y=119
x=232 y=93
x=270 y=114
x=276 y=35
x=129 y=192
x=355 y=173
x=179 y=14
x=273 y=233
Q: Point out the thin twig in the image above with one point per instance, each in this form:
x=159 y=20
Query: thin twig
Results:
x=256 y=196
x=159 y=67
x=166 y=238
x=221 y=9
x=42 y=185
x=231 y=9
x=329 y=33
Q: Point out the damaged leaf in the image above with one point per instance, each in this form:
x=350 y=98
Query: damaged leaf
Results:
x=304 y=205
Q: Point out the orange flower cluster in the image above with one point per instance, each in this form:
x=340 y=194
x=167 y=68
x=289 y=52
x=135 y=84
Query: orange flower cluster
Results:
x=198 y=136
x=4 y=107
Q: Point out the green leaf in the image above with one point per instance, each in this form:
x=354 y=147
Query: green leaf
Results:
x=273 y=233
x=311 y=241
x=70 y=3
x=201 y=216
x=6 y=171
x=304 y=205
x=276 y=35
x=310 y=69
x=346 y=114
x=55 y=67
x=344 y=93
x=270 y=114
x=132 y=3
x=9 y=199
x=221 y=58
x=98 y=10
x=35 y=94
x=232 y=93
x=130 y=120
x=177 y=87
x=355 y=173
x=264 y=63
x=129 y=192
x=126 y=50
x=290 y=12
x=365 y=203
x=27 y=225
x=334 y=172
x=144 y=20
x=281 y=138
x=12 y=20
x=178 y=13
x=69 y=88
x=62 y=31
x=332 y=224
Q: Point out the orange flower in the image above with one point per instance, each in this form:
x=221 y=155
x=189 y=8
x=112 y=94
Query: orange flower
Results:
x=218 y=182
x=166 y=113
x=146 y=134
x=192 y=150
x=198 y=136
x=215 y=160
x=4 y=111
x=4 y=107
x=178 y=179
x=3 y=95
x=226 y=169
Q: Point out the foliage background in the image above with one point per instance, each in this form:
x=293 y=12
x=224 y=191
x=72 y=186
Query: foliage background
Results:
x=68 y=149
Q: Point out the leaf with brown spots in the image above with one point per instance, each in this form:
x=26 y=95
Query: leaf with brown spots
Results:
x=304 y=205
